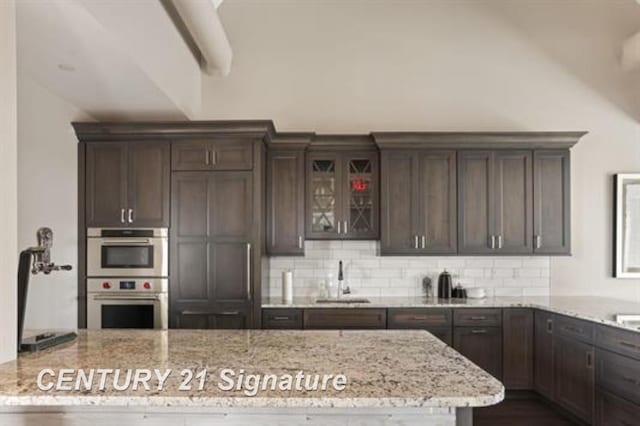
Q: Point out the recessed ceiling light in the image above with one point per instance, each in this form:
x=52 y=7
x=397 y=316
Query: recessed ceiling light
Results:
x=66 y=67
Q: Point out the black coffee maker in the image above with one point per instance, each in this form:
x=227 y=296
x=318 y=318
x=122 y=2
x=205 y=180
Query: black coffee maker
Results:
x=445 y=284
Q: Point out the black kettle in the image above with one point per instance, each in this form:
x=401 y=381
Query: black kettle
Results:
x=445 y=284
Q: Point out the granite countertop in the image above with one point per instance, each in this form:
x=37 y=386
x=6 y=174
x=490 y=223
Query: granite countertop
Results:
x=384 y=369
x=597 y=309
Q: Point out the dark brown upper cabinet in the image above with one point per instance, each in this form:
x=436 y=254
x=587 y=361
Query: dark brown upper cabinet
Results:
x=212 y=154
x=127 y=184
x=342 y=195
x=551 y=202
x=418 y=199
x=285 y=202
x=495 y=202
x=211 y=230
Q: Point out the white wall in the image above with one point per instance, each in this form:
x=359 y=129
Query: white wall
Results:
x=47 y=183
x=356 y=66
x=8 y=182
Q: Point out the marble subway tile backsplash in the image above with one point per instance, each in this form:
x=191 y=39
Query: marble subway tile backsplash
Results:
x=370 y=275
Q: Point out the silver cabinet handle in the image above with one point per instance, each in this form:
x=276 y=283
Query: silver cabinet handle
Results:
x=424 y=241
x=416 y=242
x=249 y=271
x=493 y=242
x=122 y=220
x=549 y=326
x=538 y=242
x=229 y=313
x=300 y=244
x=130 y=215
x=339 y=225
x=207 y=159
x=479 y=331
x=589 y=359
x=215 y=157
x=345 y=227
x=499 y=241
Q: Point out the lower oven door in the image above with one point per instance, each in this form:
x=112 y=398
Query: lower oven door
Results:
x=127 y=311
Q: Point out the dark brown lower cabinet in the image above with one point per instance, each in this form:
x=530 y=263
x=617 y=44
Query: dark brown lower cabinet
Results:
x=436 y=321
x=574 y=376
x=482 y=345
x=614 y=411
x=517 y=359
x=287 y=319
x=221 y=320
x=344 y=318
x=543 y=375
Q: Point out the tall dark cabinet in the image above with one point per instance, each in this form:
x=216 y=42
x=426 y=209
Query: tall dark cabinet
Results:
x=342 y=195
x=552 y=210
x=127 y=184
x=418 y=198
x=211 y=250
x=286 y=195
x=495 y=201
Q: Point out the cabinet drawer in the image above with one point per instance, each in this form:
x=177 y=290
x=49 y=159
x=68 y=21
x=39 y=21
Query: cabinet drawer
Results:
x=477 y=317
x=620 y=341
x=418 y=318
x=574 y=329
x=344 y=318
x=282 y=318
x=618 y=374
x=611 y=410
x=212 y=154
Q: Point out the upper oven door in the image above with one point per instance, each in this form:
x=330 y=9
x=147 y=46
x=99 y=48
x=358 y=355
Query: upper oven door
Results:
x=127 y=257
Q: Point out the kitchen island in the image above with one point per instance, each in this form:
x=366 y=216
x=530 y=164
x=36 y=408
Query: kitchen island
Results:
x=390 y=377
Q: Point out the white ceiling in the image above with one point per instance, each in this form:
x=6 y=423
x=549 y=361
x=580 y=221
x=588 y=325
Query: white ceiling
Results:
x=112 y=59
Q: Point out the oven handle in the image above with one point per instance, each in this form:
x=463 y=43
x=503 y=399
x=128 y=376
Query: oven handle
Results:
x=128 y=297
x=141 y=242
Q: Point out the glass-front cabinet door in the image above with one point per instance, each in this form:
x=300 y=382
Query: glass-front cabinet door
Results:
x=342 y=195
x=324 y=196
x=361 y=195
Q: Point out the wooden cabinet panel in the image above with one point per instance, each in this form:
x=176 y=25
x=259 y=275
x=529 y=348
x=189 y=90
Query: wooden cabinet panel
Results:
x=408 y=318
x=232 y=154
x=513 y=198
x=543 y=354
x=573 y=328
x=620 y=341
x=210 y=283
x=231 y=209
x=482 y=345
x=618 y=374
x=345 y=318
x=190 y=155
x=127 y=184
x=148 y=182
x=491 y=317
x=399 y=203
x=475 y=201
x=611 y=410
x=285 y=203
x=437 y=212
x=212 y=154
x=551 y=203
x=290 y=319
x=574 y=376
x=106 y=184
x=517 y=339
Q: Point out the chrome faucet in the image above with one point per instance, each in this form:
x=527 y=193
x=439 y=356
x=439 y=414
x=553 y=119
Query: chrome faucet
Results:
x=342 y=290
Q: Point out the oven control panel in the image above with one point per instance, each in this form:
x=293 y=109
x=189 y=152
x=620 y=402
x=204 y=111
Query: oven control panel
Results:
x=128 y=285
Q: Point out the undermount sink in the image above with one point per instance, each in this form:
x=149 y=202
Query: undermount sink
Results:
x=344 y=300
x=629 y=320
